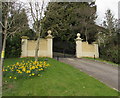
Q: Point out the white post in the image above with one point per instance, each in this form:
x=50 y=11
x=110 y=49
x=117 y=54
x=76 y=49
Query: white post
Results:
x=24 y=46
x=78 y=46
x=50 y=44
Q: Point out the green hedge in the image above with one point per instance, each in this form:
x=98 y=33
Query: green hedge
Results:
x=13 y=47
x=110 y=53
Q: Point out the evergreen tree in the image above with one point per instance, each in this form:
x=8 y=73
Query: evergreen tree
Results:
x=66 y=19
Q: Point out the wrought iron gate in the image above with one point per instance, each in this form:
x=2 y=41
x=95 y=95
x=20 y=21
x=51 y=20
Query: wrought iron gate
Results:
x=63 y=49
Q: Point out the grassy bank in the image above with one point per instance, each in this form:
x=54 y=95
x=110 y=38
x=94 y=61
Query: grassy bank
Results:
x=101 y=60
x=58 y=80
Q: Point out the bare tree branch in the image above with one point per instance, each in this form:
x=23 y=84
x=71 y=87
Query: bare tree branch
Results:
x=9 y=24
x=2 y=24
x=41 y=14
x=37 y=22
x=41 y=9
x=32 y=13
x=12 y=33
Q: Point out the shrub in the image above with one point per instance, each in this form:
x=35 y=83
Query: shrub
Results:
x=13 y=47
x=110 y=53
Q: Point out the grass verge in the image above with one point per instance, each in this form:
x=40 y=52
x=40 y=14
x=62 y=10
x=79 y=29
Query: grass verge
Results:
x=58 y=80
x=101 y=60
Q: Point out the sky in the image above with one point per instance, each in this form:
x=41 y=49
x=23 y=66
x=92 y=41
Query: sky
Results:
x=102 y=6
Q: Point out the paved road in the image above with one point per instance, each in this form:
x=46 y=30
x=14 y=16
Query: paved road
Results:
x=106 y=73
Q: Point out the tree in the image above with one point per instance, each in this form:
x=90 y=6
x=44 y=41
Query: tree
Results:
x=110 y=25
x=11 y=22
x=66 y=19
x=108 y=38
x=36 y=13
x=13 y=46
x=30 y=33
x=20 y=22
x=110 y=22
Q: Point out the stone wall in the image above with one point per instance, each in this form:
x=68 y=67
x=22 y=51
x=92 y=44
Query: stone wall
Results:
x=45 y=47
x=83 y=49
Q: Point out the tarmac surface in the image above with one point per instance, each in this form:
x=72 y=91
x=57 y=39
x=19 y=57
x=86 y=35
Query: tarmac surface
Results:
x=106 y=73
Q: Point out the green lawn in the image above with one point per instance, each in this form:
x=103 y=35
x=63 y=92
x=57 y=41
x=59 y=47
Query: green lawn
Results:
x=58 y=80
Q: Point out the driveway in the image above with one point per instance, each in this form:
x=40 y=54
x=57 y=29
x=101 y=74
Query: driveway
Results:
x=106 y=73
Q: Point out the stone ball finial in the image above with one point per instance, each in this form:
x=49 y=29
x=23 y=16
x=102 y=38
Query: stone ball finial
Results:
x=78 y=35
x=49 y=32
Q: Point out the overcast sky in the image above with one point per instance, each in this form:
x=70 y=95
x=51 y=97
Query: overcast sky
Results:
x=103 y=5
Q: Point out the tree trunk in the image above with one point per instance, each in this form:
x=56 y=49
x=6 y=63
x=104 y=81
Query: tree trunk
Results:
x=3 y=49
x=2 y=61
x=37 y=49
x=37 y=44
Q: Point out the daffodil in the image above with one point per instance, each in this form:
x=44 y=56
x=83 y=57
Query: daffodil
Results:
x=28 y=71
x=33 y=74
x=33 y=67
x=23 y=69
x=10 y=77
x=36 y=67
x=17 y=63
x=41 y=68
x=40 y=65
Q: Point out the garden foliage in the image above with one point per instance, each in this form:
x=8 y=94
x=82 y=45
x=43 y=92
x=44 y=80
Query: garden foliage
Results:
x=13 y=47
x=24 y=69
x=110 y=53
x=109 y=41
x=66 y=19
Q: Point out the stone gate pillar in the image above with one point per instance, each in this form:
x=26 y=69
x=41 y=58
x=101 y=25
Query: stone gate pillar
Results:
x=24 y=46
x=50 y=44
x=96 y=50
x=78 y=46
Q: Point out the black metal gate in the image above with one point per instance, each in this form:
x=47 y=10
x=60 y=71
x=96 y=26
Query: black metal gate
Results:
x=63 y=49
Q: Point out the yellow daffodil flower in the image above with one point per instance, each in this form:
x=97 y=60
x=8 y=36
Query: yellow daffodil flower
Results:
x=36 y=67
x=41 y=68
x=33 y=74
x=10 y=77
x=33 y=67
x=23 y=69
x=28 y=71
